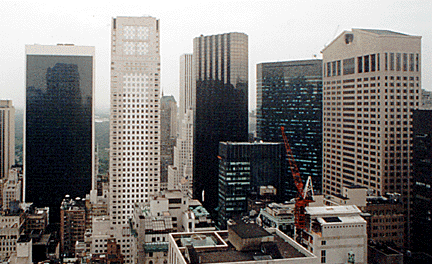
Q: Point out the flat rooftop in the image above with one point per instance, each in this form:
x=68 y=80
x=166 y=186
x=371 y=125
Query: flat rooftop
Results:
x=332 y=210
x=215 y=247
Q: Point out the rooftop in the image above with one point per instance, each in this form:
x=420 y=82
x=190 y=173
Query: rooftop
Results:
x=215 y=247
x=333 y=210
x=249 y=230
x=384 y=32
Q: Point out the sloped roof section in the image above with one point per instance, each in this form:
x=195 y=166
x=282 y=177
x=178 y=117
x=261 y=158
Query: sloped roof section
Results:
x=383 y=32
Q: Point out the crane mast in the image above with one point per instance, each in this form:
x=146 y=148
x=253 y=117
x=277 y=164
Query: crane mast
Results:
x=303 y=195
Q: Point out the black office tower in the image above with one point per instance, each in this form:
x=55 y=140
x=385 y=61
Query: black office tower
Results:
x=220 y=107
x=243 y=168
x=289 y=94
x=58 y=150
x=422 y=181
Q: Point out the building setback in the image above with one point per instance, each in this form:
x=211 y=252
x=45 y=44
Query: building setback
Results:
x=7 y=137
x=220 y=108
x=135 y=120
x=289 y=94
x=59 y=127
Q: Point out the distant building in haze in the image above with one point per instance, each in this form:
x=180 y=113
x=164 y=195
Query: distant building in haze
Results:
x=168 y=120
x=180 y=173
x=220 y=107
x=7 y=137
x=426 y=100
x=59 y=128
x=289 y=94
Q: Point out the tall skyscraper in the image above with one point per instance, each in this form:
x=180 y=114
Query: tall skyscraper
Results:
x=422 y=181
x=59 y=127
x=220 y=106
x=135 y=121
x=7 y=137
x=289 y=94
x=180 y=173
x=371 y=88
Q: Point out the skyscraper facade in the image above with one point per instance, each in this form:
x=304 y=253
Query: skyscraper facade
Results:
x=372 y=81
x=220 y=105
x=180 y=173
x=59 y=127
x=135 y=120
x=7 y=137
x=243 y=168
x=289 y=94
x=422 y=181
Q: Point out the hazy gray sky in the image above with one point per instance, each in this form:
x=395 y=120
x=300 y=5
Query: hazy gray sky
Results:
x=278 y=31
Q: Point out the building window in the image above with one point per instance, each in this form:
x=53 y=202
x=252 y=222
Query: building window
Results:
x=348 y=66
x=366 y=63
x=359 y=64
x=328 y=69
x=378 y=63
x=392 y=61
x=417 y=62
x=339 y=68
x=334 y=68
x=411 y=62
x=323 y=256
x=405 y=62
x=373 y=62
x=386 y=61
x=398 y=61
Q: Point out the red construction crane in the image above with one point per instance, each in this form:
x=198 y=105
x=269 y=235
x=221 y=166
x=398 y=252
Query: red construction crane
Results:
x=304 y=194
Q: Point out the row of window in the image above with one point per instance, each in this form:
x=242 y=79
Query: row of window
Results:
x=371 y=63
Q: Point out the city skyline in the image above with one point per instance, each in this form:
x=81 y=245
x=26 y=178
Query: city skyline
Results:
x=275 y=29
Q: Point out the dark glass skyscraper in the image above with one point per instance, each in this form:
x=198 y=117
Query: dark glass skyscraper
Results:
x=243 y=168
x=289 y=94
x=220 y=107
x=59 y=141
x=422 y=181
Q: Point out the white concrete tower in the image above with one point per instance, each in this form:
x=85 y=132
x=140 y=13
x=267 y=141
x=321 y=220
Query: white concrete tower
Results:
x=135 y=120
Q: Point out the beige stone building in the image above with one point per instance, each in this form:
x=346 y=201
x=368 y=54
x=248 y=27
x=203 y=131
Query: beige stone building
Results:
x=371 y=85
x=7 y=137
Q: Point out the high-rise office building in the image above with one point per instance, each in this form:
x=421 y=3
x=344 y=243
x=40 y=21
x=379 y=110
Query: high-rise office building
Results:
x=186 y=85
x=168 y=124
x=59 y=127
x=7 y=137
x=371 y=88
x=220 y=106
x=422 y=181
x=180 y=173
x=135 y=120
x=289 y=94
x=243 y=168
